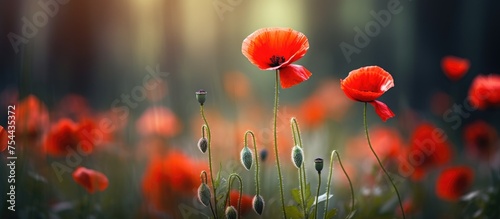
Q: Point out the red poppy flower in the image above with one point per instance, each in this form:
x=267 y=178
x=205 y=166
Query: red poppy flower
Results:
x=485 y=91
x=170 y=177
x=4 y=139
x=246 y=201
x=454 y=67
x=277 y=48
x=454 y=182
x=66 y=135
x=428 y=149
x=91 y=180
x=367 y=84
x=481 y=139
x=34 y=116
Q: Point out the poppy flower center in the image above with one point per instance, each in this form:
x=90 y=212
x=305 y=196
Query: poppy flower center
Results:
x=276 y=60
x=482 y=142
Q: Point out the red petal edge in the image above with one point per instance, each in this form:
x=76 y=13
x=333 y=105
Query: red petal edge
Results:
x=382 y=110
x=292 y=75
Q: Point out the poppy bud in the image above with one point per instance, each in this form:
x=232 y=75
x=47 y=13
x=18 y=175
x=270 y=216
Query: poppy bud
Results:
x=297 y=156
x=263 y=155
x=258 y=204
x=200 y=96
x=318 y=164
x=231 y=212
x=203 y=144
x=204 y=194
x=246 y=158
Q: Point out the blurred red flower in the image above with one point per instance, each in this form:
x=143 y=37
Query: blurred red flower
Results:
x=73 y=106
x=336 y=105
x=485 y=91
x=454 y=182
x=428 y=149
x=91 y=180
x=160 y=121
x=34 y=116
x=454 y=67
x=312 y=112
x=237 y=91
x=169 y=178
x=4 y=139
x=367 y=84
x=481 y=139
x=277 y=48
x=65 y=136
x=246 y=201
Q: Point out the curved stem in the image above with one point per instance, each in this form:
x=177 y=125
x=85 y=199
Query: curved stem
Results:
x=228 y=198
x=317 y=195
x=210 y=158
x=275 y=118
x=302 y=182
x=257 y=180
x=380 y=163
x=330 y=179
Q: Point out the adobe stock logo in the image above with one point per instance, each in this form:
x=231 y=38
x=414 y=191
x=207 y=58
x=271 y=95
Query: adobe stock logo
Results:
x=222 y=6
x=29 y=29
x=372 y=29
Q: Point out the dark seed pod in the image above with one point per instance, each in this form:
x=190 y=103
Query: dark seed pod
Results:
x=231 y=212
x=246 y=158
x=200 y=96
x=203 y=144
x=258 y=204
x=318 y=164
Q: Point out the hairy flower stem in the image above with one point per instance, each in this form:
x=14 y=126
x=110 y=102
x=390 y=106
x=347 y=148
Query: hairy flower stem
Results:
x=302 y=174
x=330 y=180
x=380 y=163
x=228 y=199
x=275 y=112
x=257 y=179
x=317 y=196
x=210 y=159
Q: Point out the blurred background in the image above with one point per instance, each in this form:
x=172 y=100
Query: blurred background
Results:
x=82 y=60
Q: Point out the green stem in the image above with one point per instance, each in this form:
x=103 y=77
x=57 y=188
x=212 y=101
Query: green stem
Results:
x=302 y=177
x=275 y=112
x=380 y=163
x=317 y=196
x=228 y=199
x=329 y=183
x=257 y=180
x=210 y=159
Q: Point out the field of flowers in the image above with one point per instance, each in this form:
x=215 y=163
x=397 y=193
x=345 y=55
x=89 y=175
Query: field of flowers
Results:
x=268 y=129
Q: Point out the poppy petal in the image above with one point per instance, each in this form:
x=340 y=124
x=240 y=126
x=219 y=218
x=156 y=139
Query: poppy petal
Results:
x=454 y=67
x=484 y=92
x=90 y=179
x=454 y=182
x=3 y=139
x=283 y=45
x=292 y=75
x=382 y=110
x=367 y=83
